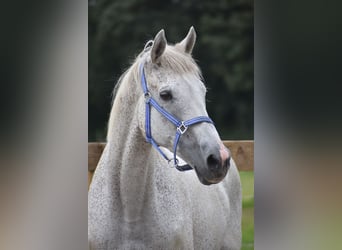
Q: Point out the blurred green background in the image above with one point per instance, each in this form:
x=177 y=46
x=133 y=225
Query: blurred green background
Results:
x=118 y=31
x=247 y=181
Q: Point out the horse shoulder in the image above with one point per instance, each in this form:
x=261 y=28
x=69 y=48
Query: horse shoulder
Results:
x=102 y=209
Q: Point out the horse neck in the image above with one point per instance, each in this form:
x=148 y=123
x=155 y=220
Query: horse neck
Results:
x=129 y=153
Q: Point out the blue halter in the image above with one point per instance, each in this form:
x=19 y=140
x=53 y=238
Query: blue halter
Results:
x=181 y=126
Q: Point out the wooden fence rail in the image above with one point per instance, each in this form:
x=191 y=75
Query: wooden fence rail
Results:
x=242 y=153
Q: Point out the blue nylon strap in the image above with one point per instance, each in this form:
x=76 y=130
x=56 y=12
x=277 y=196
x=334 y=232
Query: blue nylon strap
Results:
x=177 y=137
x=148 y=102
x=181 y=126
x=167 y=115
x=197 y=120
x=148 y=121
x=143 y=79
x=155 y=145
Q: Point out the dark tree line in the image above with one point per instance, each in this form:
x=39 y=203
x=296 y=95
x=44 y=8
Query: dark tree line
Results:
x=224 y=52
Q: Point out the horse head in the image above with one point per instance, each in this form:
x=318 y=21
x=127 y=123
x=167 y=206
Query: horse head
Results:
x=175 y=83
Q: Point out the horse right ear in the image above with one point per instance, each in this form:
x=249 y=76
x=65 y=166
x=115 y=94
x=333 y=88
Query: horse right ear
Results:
x=159 y=46
x=188 y=43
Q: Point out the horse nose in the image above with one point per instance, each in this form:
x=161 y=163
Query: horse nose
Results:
x=214 y=162
x=218 y=159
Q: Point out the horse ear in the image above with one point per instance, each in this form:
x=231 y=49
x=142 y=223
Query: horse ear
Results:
x=189 y=41
x=159 y=46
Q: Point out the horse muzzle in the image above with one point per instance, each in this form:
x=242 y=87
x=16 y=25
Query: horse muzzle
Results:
x=217 y=165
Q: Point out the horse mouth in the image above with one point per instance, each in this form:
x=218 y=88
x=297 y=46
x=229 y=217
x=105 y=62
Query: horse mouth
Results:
x=207 y=181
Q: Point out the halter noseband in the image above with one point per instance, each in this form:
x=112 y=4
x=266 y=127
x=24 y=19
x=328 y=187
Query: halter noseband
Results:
x=181 y=126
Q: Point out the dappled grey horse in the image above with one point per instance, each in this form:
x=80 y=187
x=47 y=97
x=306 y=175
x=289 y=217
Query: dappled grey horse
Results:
x=164 y=180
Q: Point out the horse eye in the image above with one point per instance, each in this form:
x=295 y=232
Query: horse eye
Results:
x=166 y=95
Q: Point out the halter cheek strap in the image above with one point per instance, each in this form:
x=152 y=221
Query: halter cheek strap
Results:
x=181 y=126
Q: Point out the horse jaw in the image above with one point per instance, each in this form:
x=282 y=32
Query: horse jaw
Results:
x=208 y=182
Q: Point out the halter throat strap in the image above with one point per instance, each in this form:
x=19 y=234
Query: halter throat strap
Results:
x=181 y=126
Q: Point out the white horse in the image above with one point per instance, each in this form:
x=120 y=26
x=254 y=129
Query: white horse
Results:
x=137 y=199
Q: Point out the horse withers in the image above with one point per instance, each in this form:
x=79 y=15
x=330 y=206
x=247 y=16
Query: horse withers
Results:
x=164 y=180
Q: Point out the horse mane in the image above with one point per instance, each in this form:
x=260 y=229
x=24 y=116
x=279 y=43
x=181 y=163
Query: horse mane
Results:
x=173 y=59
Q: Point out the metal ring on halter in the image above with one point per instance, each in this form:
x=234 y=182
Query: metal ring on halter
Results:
x=172 y=161
x=148 y=45
x=147 y=96
x=182 y=128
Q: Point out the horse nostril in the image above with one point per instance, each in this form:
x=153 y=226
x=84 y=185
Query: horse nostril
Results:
x=213 y=161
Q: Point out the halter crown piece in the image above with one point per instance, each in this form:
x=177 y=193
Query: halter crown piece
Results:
x=181 y=126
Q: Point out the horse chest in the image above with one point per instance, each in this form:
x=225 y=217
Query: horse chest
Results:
x=160 y=227
x=182 y=216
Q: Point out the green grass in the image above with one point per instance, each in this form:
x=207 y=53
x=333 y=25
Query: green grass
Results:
x=247 y=180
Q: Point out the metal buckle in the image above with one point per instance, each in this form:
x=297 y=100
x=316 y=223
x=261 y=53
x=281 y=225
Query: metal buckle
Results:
x=182 y=128
x=147 y=96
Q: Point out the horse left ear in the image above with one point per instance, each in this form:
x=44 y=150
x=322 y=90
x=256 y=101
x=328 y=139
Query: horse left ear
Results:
x=187 y=44
x=159 y=46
